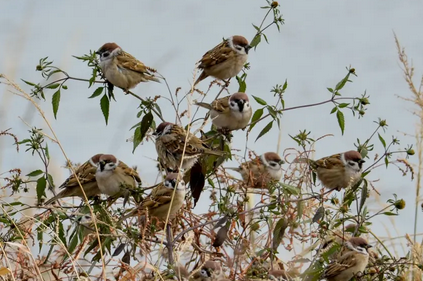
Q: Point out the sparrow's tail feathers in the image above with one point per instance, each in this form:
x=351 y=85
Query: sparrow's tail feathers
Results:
x=203 y=76
x=204 y=104
x=311 y=162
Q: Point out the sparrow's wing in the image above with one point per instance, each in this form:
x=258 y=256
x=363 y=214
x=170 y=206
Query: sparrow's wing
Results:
x=330 y=162
x=221 y=105
x=158 y=197
x=129 y=171
x=217 y=55
x=344 y=262
x=130 y=62
x=85 y=173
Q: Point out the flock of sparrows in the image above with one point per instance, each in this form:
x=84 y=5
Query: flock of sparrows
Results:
x=178 y=150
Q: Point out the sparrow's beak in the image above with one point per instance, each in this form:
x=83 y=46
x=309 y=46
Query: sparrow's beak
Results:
x=368 y=246
x=240 y=105
x=247 y=48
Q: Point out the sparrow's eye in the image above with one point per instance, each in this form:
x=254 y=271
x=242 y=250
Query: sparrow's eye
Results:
x=239 y=48
x=106 y=54
x=351 y=163
x=273 y=164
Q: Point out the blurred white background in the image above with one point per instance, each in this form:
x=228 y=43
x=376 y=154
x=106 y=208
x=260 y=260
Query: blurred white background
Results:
x=318 y=41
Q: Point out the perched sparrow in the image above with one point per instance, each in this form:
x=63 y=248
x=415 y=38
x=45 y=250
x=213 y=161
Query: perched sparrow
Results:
x=354 y=260
x=340 y=170
x=230 y=113
x=210 y=271
x=225 y=60
x=259 y=172
x=86 y=176
x=171 y=148
x=121 y=69
x=157 y=204
x=115 y=178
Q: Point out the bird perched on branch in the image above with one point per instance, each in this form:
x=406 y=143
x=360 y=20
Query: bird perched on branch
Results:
x=339 y=170
x=159 y=203
x=261 y=171
x=115 y=178
x=225 y=60
x=230 y=113
x=122 y=69
x=85 y=174
x=177 y=148
x=353 y=260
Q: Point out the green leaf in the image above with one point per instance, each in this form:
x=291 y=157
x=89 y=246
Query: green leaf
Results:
x=341 y=120
x=291 y=189
x=330 y=90
x=363 y=196
x=53 y=86
x=278 y=233
x=137 y=138
x=256 y=40
x=333 y=110
x=256 y=116
x=342 y=83
x=55 y=101
x=386 y=161
x=35 y=173
x=256 y=27
x=97 y=92
x=61 y=233
x=389 y=214
x=343 y=105
x=320 y=213
x=382 y=140
x=265 y=130
x=73 y=242
x=272 y=112
x=29 y=83
x=242 y=85
x=140 y=131
x=104 y=105
x=260 y=101
x=41 y=188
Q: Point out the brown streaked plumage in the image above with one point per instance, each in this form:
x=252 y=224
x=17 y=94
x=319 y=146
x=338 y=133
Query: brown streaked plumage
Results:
x=225 y=60
x=85 y=173
x=170 y=146
x=339 y=170
x=353 y=261
x=157 y=204
x=115 y=178
x=261 y=171
x=122 y=69
x=230 y=113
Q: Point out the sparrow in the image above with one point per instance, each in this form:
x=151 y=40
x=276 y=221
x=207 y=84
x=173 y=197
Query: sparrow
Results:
x=85 y=173
x=339 y=170
x=122 y=69
x=354 y=260
x=225 y=60
x=230 y=113
x=115 y=178
x=174 y=145
x=159 y=203
x=260 y=172
x=210 y=271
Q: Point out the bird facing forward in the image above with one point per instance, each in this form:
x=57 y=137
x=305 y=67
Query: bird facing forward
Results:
x=260 y=172
x=159 y=203
x=177 y=148
x=115 y=178
x=230 y=113
x=225 y=60
x=353 y=260
x=122 y=69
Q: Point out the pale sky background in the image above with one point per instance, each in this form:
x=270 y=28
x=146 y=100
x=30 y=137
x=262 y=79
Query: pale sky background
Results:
x=319 y=39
